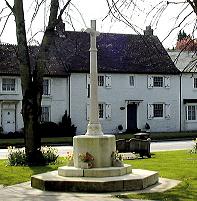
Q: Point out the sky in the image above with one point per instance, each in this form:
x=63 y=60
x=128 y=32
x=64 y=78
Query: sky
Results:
x=82 y=11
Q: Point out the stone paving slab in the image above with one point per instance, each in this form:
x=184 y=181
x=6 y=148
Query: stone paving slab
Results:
x=24 y=192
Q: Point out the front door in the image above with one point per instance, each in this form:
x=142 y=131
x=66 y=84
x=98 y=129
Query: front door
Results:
x=131 y=117
x=8 y=120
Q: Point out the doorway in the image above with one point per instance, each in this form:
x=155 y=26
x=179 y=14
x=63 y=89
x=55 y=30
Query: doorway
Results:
x=8 y=120
x=132 y=117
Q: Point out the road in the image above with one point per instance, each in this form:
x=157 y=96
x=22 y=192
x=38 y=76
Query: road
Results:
x=155 y=146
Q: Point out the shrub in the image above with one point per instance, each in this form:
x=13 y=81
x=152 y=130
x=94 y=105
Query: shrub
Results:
x=17 y=156
x=49 y=129
x=50 y=154
x=66 y=126
x=12 y=135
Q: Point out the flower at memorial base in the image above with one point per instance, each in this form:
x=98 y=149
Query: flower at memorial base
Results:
x=86 y=157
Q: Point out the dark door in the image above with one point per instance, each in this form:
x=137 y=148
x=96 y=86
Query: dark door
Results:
x=132 y=117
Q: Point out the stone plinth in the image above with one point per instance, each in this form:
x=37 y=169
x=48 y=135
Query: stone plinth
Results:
x=68 y=171
x=100 y=147
x=51 y=181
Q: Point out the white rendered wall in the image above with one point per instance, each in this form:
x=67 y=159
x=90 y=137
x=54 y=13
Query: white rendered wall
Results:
x=188 y=92
x=57 y=100
x=116 y=96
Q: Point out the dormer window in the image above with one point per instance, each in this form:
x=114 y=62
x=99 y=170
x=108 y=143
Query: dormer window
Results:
x=8 y=84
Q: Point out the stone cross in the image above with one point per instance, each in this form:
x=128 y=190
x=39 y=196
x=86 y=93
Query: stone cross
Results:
x=94 y=126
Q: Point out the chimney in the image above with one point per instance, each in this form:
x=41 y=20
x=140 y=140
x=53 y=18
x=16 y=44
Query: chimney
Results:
x=148 y=31
x=60 y=27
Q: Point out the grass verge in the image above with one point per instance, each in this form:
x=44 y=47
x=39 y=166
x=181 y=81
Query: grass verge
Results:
x=179 y=165
x=4 y=143
x=10 y=175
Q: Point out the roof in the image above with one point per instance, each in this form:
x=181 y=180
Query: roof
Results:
x=9 y=63
x=185 y=61
x=117 y=53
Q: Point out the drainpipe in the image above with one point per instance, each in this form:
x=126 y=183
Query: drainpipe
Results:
x=180 y=101
x=69 y=95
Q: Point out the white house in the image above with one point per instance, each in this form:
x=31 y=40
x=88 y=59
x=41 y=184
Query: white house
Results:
x=186 y=62
x=138 y=83
x=55 y=92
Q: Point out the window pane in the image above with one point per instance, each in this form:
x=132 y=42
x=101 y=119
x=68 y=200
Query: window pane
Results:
x=195 y=82
x=191 y=114
x=45 y=114
x=101 y=80
x=158 y=110
x=8 y=84
x=45 y=87
x=158 y=81
x=101 y=112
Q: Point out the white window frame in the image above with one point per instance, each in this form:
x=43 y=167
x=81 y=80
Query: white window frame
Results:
x=158 y=117
x=166 y=111
x=106 y=111
x=101 y=110
x=101 y=80
x=187 y=112
x=49 y=86
x=49 y=113
x=154 y=77
x=15 y=85
x=132 y=81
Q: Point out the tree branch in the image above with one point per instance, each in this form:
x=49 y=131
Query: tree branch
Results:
x=5 y=24
x=62 y=11
x=9 y=6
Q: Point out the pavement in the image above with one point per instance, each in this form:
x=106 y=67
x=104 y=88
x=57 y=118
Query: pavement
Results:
x=24 y=191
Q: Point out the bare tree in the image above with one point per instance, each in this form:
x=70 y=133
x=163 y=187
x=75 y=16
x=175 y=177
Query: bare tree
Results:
x=32 y=84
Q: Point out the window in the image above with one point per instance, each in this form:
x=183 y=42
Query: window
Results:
x=131 y=81
x=45 y=116
x=88 y=92
x=191 y=112
x=101 y=80
x=46 y=87
x=158 y=81
x=157 y=110
x=101 y=111
x=195 y=82
x=104 y=111
x=8 y=84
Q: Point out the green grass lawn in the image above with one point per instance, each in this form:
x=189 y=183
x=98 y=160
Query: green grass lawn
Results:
x=10 y=175
x=179 y=165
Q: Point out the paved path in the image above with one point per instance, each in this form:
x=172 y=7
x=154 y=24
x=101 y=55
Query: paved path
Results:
x=171 y=145
x=24 y=192
x=155 y=146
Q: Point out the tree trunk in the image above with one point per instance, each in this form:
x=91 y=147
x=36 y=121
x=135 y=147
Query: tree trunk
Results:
x=29 y=104
x=32 y=89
